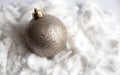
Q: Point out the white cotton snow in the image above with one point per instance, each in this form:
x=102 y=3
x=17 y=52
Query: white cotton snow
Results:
x=92 y=48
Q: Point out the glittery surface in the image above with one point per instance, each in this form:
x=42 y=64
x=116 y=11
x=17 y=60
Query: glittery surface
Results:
x=46 y=36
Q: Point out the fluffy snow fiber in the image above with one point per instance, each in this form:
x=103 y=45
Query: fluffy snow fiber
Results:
x=92 y=48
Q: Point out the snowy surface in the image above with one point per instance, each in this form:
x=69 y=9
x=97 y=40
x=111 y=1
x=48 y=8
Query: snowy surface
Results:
x=93 y=47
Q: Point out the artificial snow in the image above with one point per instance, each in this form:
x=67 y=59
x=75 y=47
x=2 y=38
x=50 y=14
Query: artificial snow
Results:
x=92 y=47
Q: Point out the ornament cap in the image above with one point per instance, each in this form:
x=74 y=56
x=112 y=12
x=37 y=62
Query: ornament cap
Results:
x=37 y=13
